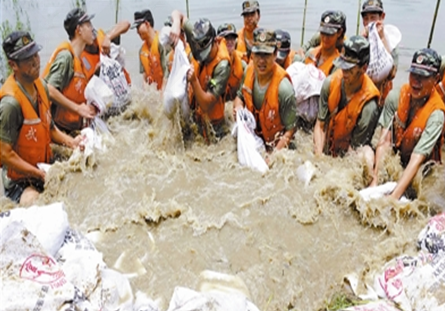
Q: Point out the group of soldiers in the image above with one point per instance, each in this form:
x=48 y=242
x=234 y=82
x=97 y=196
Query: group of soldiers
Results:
x=247 y=67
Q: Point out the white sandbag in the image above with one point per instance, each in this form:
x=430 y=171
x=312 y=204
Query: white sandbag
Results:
x=164 y=36
x=306 y=79
x=144 y=303
x=381 y=62
x=175 y=94
x=216 y=281
x=393 y=36
x=380 y=191
x=432 y=238
x=112 y=74
x=305 y=172
x=31 y=279
x=118 y=52
x=248 y=143
x=414 y=283
x=48 y=223
x=98 y=94
x=80 y=261
x=185 y=299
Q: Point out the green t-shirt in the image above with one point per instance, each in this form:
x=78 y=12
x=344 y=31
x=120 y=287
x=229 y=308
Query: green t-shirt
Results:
x=11 y=116
x=366 y=122
x=61 y=71
x=221 y=73
x=163 y=57
x=286 y=100
x=432 y=130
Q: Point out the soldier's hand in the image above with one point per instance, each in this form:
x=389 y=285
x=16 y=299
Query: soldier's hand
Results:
x=86 y=111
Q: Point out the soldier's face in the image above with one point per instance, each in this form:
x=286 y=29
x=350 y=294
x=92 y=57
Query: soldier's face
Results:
x=251 y=20
x=263 y=62
x=328 y=41
x=231 y=43
x=351 y=76
x=372 y=17
x=86 y=31
x=28 y=68
x=421 y=86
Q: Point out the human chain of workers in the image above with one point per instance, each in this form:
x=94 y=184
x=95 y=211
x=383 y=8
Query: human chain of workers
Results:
x=247 y=67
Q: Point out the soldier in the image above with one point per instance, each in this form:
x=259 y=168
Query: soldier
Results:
x=286 y=55
x=251 y=16
x=412 y=120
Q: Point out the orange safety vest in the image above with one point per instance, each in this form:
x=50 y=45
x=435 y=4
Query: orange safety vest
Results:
x=289 y=59
x=151 y=61
x=342 y=123
x=385 y=88
x=268 y=117
x=74 y=91
x=242 y=47
x=216 y=113
x=441 y=88
x=33 y=143
x=407 y=135
x=327 y=66
x=236 y=74
x=90 y=61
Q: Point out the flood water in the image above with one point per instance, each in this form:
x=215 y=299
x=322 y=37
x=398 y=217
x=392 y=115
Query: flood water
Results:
x=169 y=209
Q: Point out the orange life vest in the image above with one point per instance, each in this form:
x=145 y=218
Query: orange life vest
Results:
x=407 y=135
x=385 y=88
x=441 y=88
x=151 y=61
x=74 y=91
x=268 y=117
x=236 y=74
x=342 y=123
x=33 y=143
x=91 y=60
x=242 y=47
x=289 y=59
x=205 y=72
x=328 y=64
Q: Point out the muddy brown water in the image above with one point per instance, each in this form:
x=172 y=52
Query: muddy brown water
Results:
x=167 y=210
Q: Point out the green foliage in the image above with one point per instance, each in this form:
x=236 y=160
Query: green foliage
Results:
x=20 y=22
x=79 y=4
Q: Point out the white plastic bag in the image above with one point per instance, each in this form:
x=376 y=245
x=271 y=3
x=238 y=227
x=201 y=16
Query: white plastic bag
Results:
x=248 y=143
x=306 y=79
x=393 y=36
x=112 y=74
x=381 y=62
x=175 y=94
x=98 y=94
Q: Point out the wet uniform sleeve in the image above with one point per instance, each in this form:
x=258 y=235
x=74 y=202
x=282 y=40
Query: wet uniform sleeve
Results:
x=240 y=90
x=45 y=86
x=395 y=56
x=442 y=66
x=164 y=64
x=141 y=67
x=431 y=134
x=11 y=119
x=217 y=85
x=288 y=104
x=61 y=71
x=188 y=29
x=366 y=123
x=390 y=108
x=323 y=109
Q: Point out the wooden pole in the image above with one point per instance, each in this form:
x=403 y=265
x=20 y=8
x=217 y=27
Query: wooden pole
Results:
x=434 y=24
x=358 y=17
x=187 y=5
x=117 y=11
x=304 y=23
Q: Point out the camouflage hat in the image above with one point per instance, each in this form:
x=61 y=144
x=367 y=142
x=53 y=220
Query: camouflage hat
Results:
x=250 y=7
x=372 y=6
x=74 y=18
x=142 y=16
x=264 y=41
x=201 y=39
x=426 y=63
x=355 y=52
x=225 y=30
x=331 y=22
x=283 y=43
x=19 y=45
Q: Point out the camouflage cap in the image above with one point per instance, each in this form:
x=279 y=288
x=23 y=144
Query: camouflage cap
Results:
x=426 y=63
x=283 y=43
x=226 y=29
x=19 y=45
x=372 y=6
x=74 y=18
x=143 y=16
x=250 y=7
x=355 y=52
x=202 y=37
x=331 y=22
x=264 y=41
